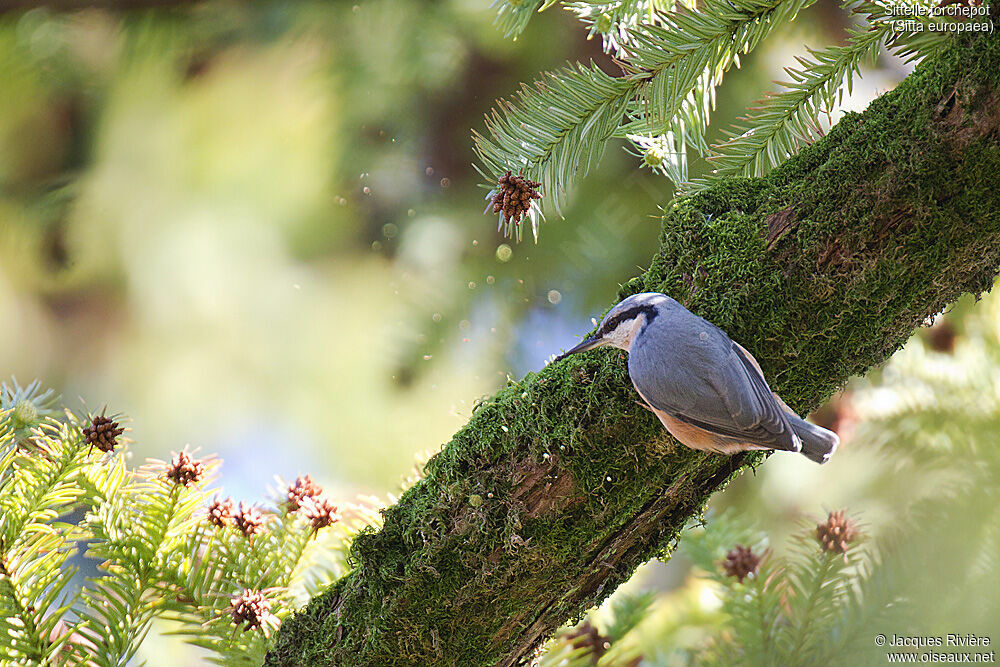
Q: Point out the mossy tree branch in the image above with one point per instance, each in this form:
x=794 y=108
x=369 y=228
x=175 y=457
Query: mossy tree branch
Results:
x=560 y=485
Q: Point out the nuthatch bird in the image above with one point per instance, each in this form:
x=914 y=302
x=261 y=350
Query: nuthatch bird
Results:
x=707 y=390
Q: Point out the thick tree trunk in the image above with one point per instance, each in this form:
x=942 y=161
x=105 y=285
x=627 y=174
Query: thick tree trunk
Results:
x=561 y=485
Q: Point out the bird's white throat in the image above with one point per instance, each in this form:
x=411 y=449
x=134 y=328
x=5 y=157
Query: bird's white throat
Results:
x=624 y=334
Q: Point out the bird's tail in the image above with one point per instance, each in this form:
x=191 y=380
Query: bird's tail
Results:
x=818 y=444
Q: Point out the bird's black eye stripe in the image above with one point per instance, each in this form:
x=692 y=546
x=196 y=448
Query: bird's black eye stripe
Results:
x=631 y=313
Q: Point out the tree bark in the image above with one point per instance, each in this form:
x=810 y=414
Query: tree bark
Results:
x=560 y=485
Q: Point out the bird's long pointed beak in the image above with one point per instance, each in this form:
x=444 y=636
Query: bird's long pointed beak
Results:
x=583 y=346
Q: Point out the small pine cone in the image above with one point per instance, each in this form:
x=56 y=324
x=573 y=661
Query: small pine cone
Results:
x=251 y=610
x=249 y=520
x=941 y=337
x=514 y=196
x=741 y=562
x=836 y=533
x=303 y=488
x=588 y=637
x=220 y=512
x=185 y=470
x=320 y=512
x=103 y=433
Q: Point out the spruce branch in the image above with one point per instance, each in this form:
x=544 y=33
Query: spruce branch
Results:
x=285 y=563
x=818 y=579
x=753 y=603
x=672 y=63
x=781 y=123
x=611 y=21
x=228 y=573
x=39 y=485
x=24 y=408
x=867 y=605
x=134 y=532
x=782 y=614
x=201 y=590
x=607 y=19
x=513 y=15
x=161 y=553
x=557 y=129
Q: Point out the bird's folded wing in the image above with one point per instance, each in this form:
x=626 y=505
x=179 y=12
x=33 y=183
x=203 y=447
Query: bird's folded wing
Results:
x=715 y=388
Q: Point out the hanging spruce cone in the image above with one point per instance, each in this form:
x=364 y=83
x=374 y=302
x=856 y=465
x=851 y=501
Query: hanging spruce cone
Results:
x=303 y=488
x=252 y=611
x=249 y=520
x=741 y=562
x=103 y=433
x=836 y=533
x=185 y=470
x=320 y=512
x=514 y=196
x=220 y=512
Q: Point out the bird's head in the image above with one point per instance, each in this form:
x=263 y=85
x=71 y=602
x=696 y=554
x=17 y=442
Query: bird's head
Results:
x=624 y=322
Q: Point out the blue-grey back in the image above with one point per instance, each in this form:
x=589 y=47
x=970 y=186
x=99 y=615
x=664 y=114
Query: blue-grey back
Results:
x=686 y=366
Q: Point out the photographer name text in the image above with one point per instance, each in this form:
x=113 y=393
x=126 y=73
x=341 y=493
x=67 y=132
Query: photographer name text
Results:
x=949 y=640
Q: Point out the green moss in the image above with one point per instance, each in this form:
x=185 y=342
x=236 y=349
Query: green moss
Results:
x=894 y=215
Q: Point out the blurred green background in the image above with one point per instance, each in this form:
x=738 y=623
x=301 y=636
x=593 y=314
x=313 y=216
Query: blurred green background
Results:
x=254 y=228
